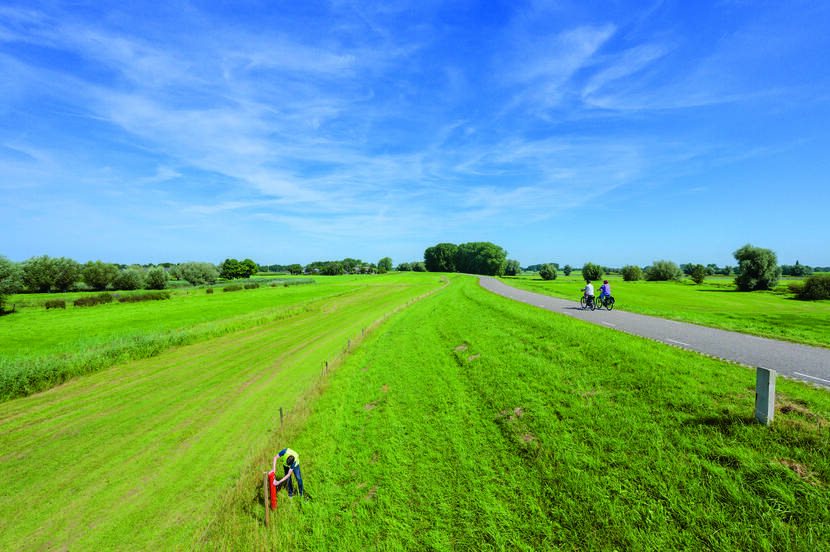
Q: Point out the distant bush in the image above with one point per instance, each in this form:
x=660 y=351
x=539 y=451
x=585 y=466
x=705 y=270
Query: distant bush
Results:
x=547 y=272
x=815 y=288
x=55 y=304
x=232 y=288
x=697 y=273
x=151 y=296
x=197 y=273
x=567 y=270
x=631 y=273
x=209 y=290
x=251 y=285
x=92 y=300
x=590 y=271
x=419 y=266
x=795 y=287
x=661 y=271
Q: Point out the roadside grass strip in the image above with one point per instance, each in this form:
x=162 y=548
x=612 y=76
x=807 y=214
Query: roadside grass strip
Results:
x=471 y=422
x=139 y=456
x=716 y=303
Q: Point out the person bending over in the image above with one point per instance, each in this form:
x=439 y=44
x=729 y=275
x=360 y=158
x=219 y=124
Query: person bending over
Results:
x=290 y=465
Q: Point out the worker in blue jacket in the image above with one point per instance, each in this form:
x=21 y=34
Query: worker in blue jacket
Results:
x=290 y=465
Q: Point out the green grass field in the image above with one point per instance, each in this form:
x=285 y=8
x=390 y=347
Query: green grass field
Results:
x=715 y=303
x=464 y=421
x=473 y=423
x=41 y=348
x=137 y=456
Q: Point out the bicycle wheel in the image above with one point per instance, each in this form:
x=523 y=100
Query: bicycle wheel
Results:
x=583 y=302
x=609 y=303
x=592 y=303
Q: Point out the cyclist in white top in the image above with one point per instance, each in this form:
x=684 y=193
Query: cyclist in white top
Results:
x=589 y=291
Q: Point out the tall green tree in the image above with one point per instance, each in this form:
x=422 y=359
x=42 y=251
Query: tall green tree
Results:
x=591 y=271
x=39 y=273
x=67 y=273
x=484 y=258
x=512 y=268
x=156 y=278
x=334 y=269
x=128 y=279
x=11 y=279
x=384 y=265
x=99 y=275
x=441 y=257
x=247 y=268
x=758 y=268
x=295 y=268
x=566 y=270
x=229 y=269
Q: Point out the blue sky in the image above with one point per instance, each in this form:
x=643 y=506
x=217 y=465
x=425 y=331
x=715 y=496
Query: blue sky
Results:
x=611 y=132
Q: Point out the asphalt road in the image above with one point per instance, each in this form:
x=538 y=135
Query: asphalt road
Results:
x=802 y=362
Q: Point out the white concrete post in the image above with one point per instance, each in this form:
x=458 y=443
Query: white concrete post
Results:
x=764 y=395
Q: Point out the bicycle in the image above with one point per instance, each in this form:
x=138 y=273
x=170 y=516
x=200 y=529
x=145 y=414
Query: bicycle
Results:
x=607 y=302
x=585 y=303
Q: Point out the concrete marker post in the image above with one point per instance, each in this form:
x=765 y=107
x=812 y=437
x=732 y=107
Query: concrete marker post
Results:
x=764 y=395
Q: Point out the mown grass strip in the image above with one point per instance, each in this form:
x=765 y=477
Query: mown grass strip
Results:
x=40 y=349
x=716 y=303
x=138 y=456
x=474 y=423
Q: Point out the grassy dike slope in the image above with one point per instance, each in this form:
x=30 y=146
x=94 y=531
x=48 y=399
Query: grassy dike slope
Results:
x=139 y=456
x=470 y=422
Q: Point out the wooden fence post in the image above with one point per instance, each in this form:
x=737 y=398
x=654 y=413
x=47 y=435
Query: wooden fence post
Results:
x=280 y=416
x=266 y=497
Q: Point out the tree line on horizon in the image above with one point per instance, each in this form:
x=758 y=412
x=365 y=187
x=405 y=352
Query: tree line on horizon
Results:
x=757 y=269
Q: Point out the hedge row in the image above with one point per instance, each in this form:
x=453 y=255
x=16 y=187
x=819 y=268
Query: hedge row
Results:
x=104 y=298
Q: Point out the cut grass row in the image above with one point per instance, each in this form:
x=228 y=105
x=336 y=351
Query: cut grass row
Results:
x=136 y=457
x=474 y=423
x=715 y=303
x=41 y=348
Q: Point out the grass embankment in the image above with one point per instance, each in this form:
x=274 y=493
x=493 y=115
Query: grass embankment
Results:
x=137 y=457
x=715 y=303
x=41 y=348
x=471 y=422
